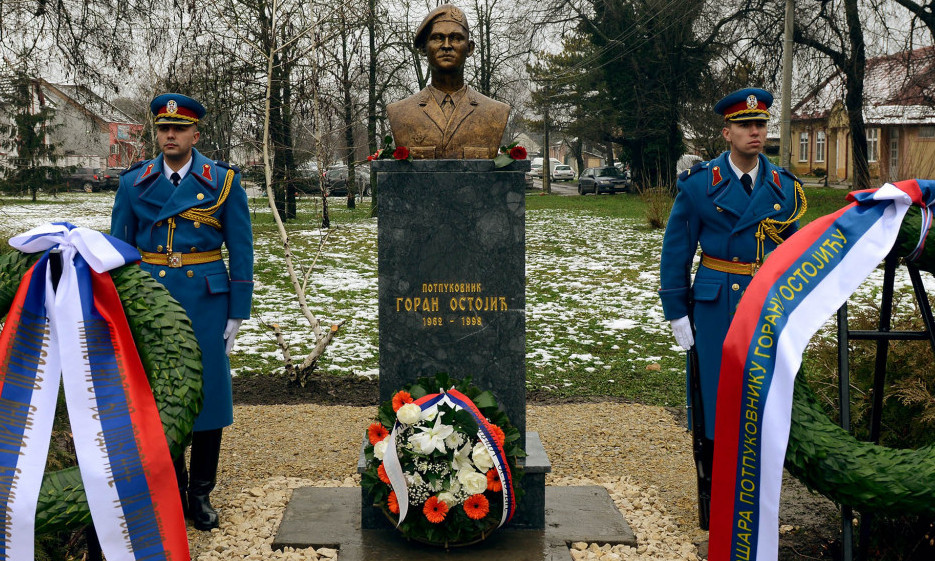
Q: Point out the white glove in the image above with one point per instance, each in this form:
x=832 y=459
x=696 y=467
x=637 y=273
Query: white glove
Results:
x=230 y=332
x=682 y=329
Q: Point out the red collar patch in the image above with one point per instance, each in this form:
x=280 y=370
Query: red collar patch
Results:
x=149 y=169
x=206 y=172
x=715 y=175
x=776 y=179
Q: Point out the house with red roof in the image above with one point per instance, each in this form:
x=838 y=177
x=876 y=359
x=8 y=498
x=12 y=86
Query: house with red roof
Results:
x=899 y=116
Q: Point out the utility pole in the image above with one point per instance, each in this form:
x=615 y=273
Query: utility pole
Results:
x=785 y=129
x=547 y=155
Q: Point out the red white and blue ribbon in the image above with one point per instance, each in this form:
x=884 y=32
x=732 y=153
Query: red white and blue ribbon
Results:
x=802 y=283
x=77 y=333
x=455 y=400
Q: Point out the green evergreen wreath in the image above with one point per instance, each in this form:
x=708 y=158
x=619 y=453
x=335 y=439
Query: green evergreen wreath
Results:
x=170 y=356
x=863 y=475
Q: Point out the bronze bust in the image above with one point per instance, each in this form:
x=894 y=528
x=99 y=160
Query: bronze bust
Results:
x=447 y=120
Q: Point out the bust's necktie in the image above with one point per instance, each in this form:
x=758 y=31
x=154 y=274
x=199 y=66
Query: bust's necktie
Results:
x=747 y=183
x=448 y=105
x=175 y=178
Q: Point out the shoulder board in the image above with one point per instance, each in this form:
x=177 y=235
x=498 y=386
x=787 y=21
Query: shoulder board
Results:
x=787 y=173
x=227 y=166
x=134 y=166
x=694 y=169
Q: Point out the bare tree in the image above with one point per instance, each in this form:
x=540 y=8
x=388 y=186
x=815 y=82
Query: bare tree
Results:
x=835 y=30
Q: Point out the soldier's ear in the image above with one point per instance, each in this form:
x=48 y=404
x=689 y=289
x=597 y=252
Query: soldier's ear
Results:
x=470 y=48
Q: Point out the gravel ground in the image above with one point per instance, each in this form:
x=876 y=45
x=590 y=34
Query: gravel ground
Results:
x=637 y=452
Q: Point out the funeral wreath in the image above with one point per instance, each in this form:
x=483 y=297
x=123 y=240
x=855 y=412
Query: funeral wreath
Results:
x=442 y=462
x=170 y=355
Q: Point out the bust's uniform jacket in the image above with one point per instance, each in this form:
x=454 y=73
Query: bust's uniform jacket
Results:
x=474 y=131
x=712 y=209
x=145 y=205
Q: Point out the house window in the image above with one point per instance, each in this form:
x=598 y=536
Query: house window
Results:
x=873 y=144
x=803 y=146
x=926 y=132
x=820 y=146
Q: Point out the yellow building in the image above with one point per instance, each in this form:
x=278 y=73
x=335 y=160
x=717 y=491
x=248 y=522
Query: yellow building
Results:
x=899 y=117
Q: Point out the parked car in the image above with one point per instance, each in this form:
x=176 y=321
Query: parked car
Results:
x=83 y=179
x=336 y=180
x=606 y=179
x=562 y=172
x=535 y=169
x=110 y=178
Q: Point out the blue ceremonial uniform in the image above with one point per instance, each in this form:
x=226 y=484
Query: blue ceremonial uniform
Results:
x=713 y=209
x=207 y=209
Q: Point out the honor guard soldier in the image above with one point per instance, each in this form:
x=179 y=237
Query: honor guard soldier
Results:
x=178 y=209
x=737 y=207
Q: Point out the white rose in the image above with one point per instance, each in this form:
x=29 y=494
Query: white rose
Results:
x=481 y=457
x=409 y=414
x=448 y=499
x=473 y=481
x=379 y=449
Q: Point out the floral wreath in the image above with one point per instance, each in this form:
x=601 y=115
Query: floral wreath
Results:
x=442 y=464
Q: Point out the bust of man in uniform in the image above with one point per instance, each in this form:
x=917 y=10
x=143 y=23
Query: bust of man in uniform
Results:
x=447 y=120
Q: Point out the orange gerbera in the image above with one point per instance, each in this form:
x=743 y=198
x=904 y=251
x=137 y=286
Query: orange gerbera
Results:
x=376 y=432
x=401 y=398
x=392 y=503
x=476 y=507
x=498 y=435
x=435 y=510
x=381 y=473
x=493 y=481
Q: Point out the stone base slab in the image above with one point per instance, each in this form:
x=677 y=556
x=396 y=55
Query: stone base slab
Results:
x=330 y=517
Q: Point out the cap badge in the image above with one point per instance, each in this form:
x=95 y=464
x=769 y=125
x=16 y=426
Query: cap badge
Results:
x=751 y=101
x=173 y=107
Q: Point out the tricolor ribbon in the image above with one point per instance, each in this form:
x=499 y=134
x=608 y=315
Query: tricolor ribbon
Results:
x=802 y=283
x=77 y=333
x=456 y=400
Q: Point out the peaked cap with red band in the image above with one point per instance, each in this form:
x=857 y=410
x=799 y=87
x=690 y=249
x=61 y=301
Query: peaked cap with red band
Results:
x=176 y=109
x=749 y=104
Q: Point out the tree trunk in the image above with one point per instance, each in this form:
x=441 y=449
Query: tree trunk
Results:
x=854 y=96
x=372 y=98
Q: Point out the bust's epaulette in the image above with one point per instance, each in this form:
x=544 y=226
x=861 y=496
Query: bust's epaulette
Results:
x=700 y=165
x=227 y=165
x=134 y=166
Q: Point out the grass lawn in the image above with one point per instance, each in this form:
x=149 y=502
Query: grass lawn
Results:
x=593 y=319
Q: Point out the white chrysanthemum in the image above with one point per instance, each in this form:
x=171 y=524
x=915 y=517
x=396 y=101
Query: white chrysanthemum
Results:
x=431 y=438
x=481 y=457
x=409 y=414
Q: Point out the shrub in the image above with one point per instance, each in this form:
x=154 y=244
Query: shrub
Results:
x=658 y=201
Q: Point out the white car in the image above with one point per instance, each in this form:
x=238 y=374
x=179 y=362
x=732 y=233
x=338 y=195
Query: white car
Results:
x=563 y=173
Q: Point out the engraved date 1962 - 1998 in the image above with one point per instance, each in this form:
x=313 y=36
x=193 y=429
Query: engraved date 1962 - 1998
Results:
x=437 y=321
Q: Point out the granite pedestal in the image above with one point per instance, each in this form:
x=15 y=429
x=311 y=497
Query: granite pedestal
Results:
x=452 y=275
x=452 y=292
